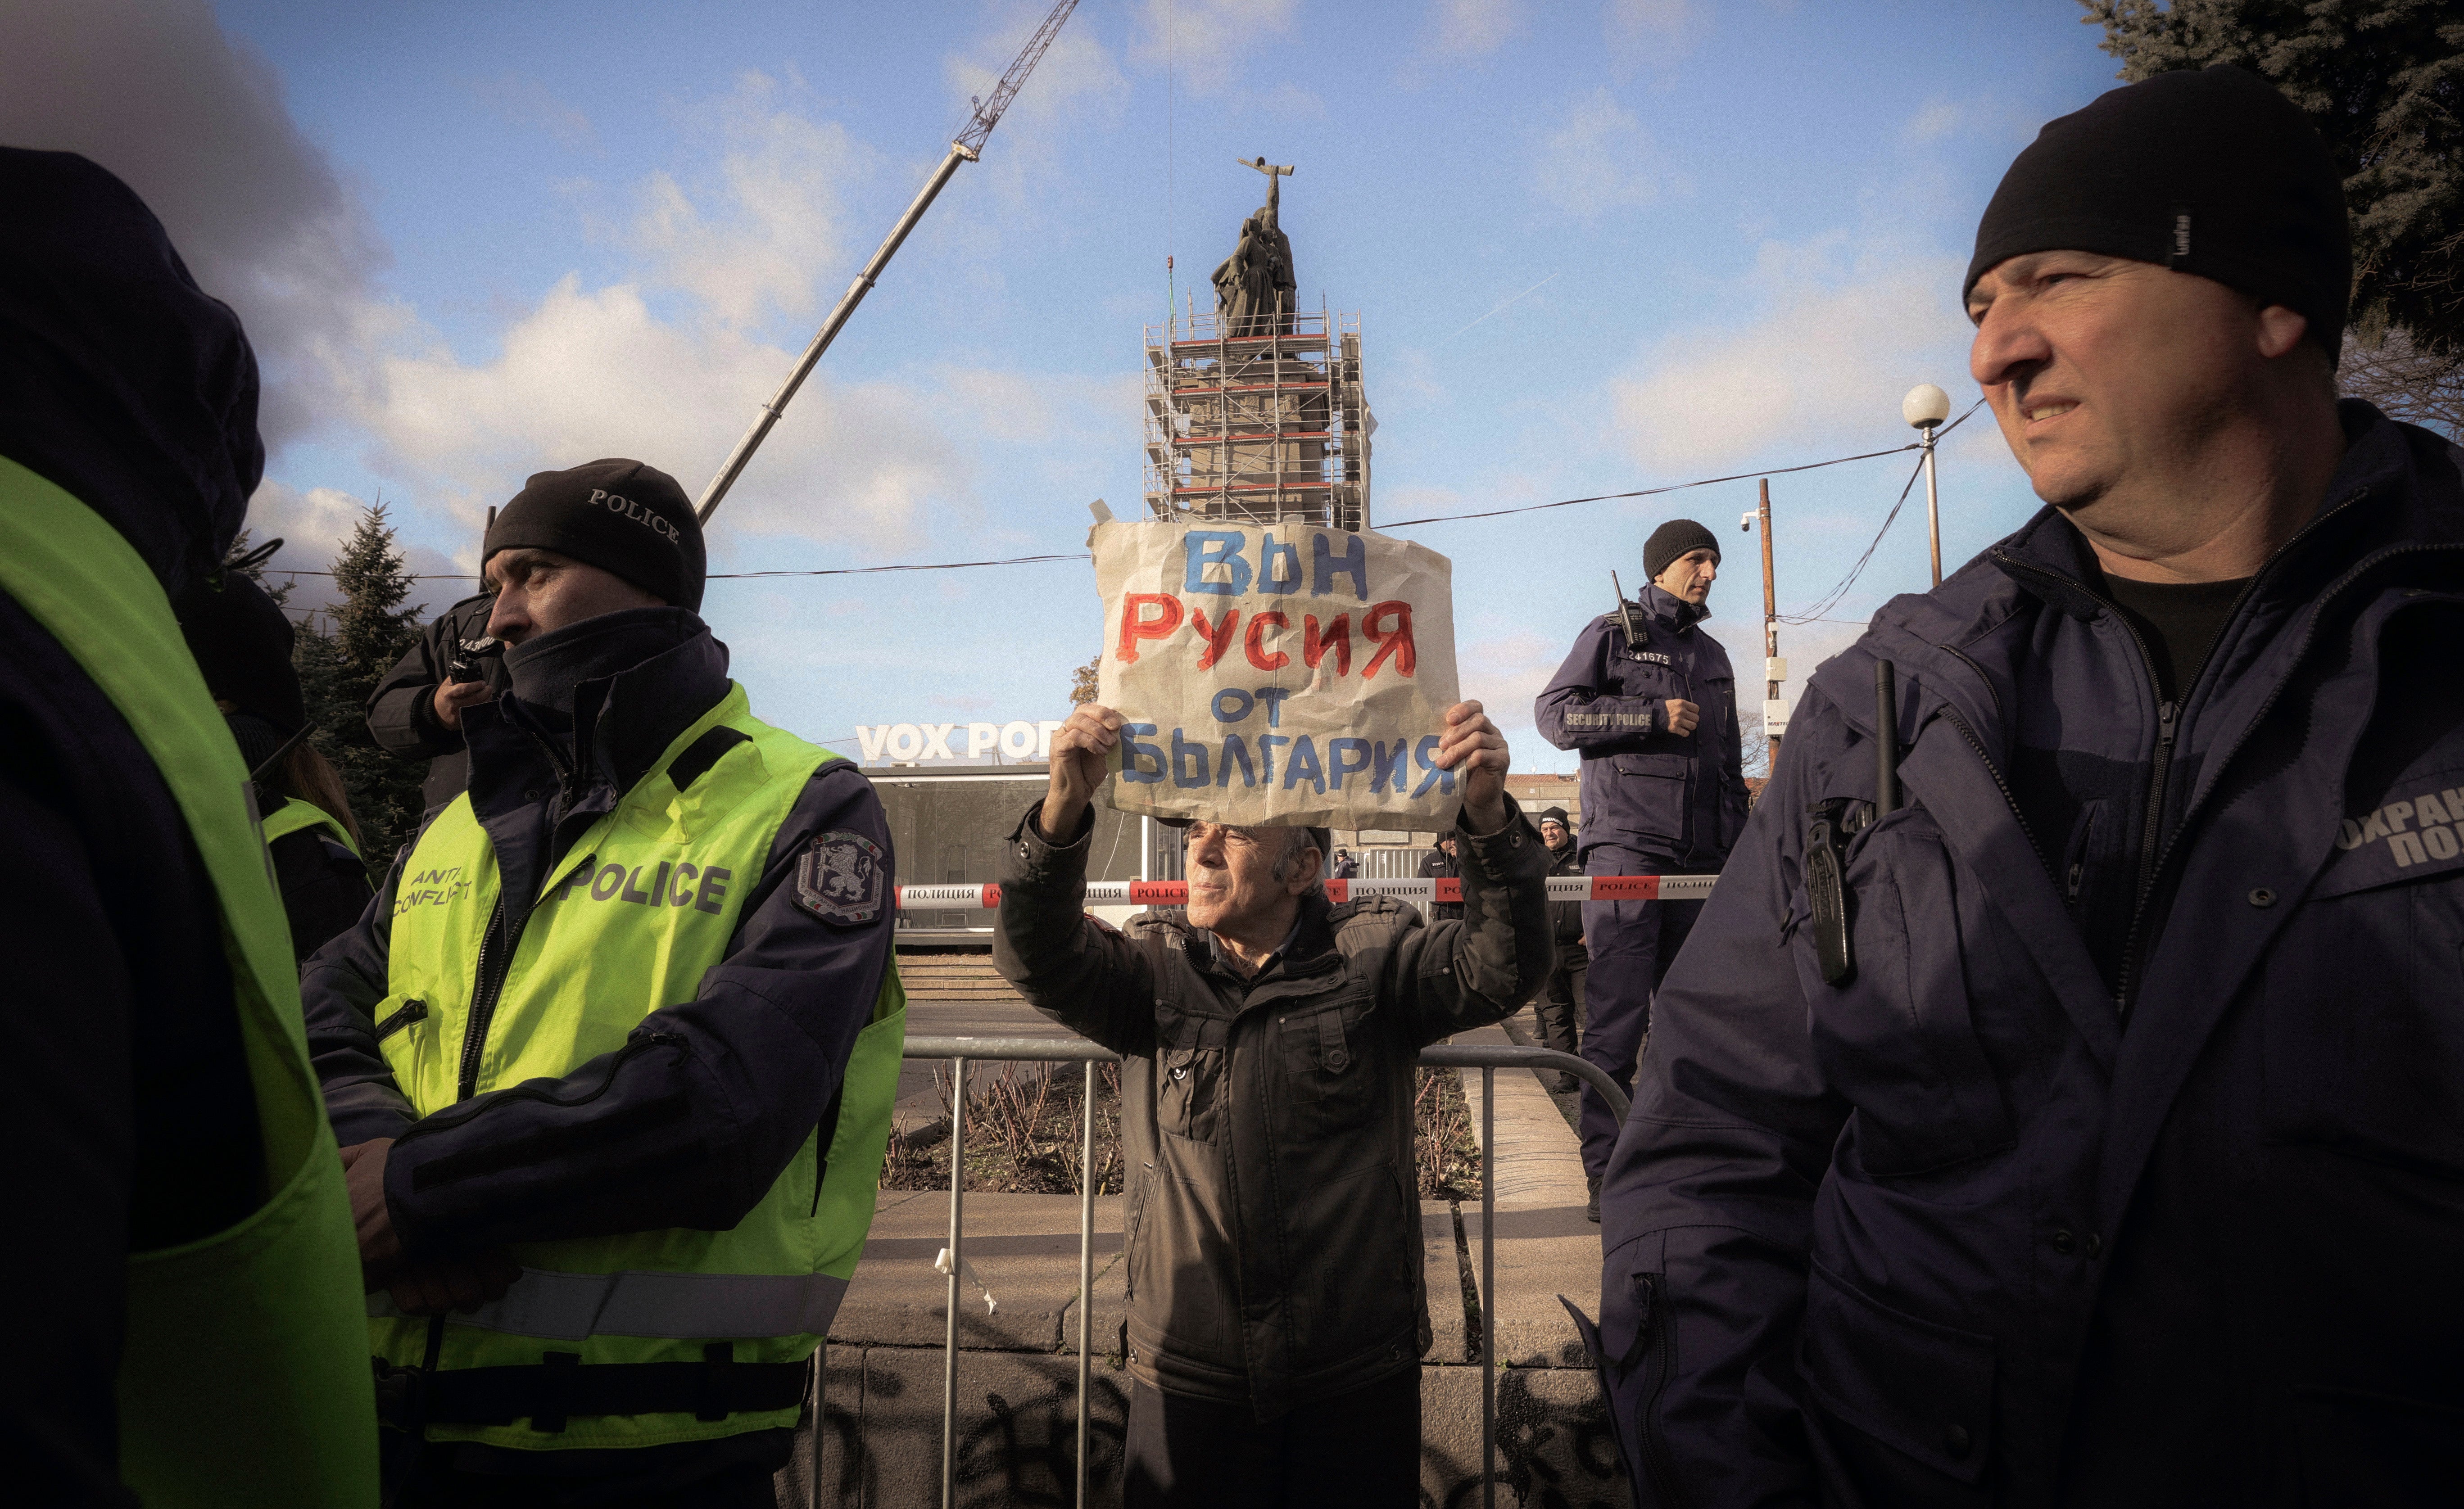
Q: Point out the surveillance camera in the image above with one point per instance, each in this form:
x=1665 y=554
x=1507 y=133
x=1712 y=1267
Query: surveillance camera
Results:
x=1748 y=522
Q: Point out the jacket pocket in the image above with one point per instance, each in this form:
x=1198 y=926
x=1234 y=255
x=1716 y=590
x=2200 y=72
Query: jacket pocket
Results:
x=1898 y=1037
x=2364 y=1025
x=1331 y=1078
x=1183 y=1257
x=1924 y=1389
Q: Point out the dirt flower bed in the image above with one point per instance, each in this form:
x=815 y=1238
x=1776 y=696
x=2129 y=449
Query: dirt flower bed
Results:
x=1024 y=1129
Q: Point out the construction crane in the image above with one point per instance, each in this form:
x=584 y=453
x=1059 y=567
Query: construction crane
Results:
x=966 y=148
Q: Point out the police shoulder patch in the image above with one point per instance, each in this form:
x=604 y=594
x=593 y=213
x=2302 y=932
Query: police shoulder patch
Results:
x=843 y=878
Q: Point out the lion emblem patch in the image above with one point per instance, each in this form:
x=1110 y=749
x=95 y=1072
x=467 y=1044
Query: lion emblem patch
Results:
x=843 y=878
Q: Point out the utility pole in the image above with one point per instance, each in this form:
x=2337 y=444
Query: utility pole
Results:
x=1775 y=668
x=966 y=148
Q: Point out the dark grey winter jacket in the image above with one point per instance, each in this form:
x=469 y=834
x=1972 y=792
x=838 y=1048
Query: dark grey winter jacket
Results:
x=1275 y=1229
x=2001 y=1217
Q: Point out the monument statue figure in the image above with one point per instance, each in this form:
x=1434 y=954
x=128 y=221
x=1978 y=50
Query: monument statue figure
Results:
x=1254 y=286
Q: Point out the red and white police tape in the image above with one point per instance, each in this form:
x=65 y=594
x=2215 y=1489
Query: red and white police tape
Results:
x=1176 y=893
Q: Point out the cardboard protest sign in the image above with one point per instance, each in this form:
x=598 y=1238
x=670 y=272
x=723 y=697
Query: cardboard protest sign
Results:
x=1277 y=673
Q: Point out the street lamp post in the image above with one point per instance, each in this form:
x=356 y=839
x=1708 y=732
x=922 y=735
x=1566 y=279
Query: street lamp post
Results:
x=1925 y=407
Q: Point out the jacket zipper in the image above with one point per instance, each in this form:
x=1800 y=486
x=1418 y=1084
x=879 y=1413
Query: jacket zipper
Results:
x=2157 y=848
x=1652 y=1443
x=2002 y=785
x=495 y=961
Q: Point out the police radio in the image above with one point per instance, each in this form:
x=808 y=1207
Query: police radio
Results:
x=1633 y=638
x=470 y=657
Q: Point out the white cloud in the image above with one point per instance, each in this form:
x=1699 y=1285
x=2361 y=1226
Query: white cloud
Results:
x=1206 y=41
x=1598 y=159
x=1471 y=28
x=1504 y=674
x=527 y=101
x=1830 y=337
x=747 y=237
x=1656 y=32
x=195 y=123
x=593 y=372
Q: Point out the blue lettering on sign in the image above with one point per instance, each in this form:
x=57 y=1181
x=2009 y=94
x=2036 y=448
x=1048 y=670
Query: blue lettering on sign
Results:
x=1184 y=755
x=1270 y=579
x=1134 y=754
x=1235 y=748
x=1442 y=779
x=1266 y=743
x=1336 y=767
x=1273 y=697
x=1387 y=765
x=1245 y=704
x=1304 y=766
x=1201 y=548
x=1353 y=562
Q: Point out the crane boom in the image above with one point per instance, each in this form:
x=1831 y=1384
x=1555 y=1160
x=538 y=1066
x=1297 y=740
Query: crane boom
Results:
x=967 y=147
x=988 y=112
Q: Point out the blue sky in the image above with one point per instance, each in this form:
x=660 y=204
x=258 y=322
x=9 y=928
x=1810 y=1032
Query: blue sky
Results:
x=479 y=240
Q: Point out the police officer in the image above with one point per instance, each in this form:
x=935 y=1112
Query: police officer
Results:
x=416 y=710
x=242 y=639
x=1559 y=1008
x=1649 y=701
x=186 y=1327
x=1443 y=864
x=2086 y=1126
x=613 y=1055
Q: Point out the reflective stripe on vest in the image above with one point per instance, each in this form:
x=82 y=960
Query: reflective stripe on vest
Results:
x=268 y=1310
x=629 y=921
x=569 y=1306
x=295 y=814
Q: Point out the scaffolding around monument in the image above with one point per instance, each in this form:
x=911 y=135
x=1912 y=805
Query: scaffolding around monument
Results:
x=1264 y=428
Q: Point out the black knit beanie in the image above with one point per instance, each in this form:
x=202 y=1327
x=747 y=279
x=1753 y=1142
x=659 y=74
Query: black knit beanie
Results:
x=2212 y=172
x=619 y=515
x=1555 y=814
x=242 y=640
x=1673 y=540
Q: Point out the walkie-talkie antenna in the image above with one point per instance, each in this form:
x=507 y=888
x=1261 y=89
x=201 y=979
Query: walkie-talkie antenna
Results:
x=966 y=148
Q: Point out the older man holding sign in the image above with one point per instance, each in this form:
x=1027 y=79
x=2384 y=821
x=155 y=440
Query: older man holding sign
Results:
x=1277 y=1314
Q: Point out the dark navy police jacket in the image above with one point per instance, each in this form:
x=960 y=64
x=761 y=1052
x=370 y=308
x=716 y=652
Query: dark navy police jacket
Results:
x=1987 y=1223
x=1677 y=797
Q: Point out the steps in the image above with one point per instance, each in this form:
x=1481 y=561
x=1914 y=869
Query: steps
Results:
x=955 y=976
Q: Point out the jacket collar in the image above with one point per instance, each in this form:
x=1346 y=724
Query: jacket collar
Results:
x=1670 y=610
x=1302 y=952
x=621 y=724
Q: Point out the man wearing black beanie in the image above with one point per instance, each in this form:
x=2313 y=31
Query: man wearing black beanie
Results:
x=2078 y=1118
x=661 y=929
x=1648 y=700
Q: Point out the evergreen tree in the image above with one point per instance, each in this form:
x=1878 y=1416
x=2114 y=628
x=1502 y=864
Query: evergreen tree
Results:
x=339 y=668
x=2384 y=82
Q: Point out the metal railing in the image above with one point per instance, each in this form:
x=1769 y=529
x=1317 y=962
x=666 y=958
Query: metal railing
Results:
x=1487 y=1058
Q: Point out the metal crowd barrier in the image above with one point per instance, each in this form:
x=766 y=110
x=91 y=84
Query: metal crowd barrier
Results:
x=1489 y=1059
x=980 y=895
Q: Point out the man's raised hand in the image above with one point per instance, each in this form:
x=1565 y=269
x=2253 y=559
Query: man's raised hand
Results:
x=1683 y=716
x=1472 y=747
x=1081 y=759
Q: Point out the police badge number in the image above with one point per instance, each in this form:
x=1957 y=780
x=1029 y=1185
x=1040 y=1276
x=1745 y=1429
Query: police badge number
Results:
x=842 y=878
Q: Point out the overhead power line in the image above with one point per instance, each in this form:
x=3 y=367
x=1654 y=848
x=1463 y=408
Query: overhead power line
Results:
x=1811 y=615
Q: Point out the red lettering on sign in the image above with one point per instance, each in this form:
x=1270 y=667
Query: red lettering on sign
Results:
x=1339 y=891
x=1159 y=893
x=1218 y=637
x=1135 y=625
x=1625 y=888
x=1255 y=643
x=1338 y=639
x=1394 y=639
x=1449 y=889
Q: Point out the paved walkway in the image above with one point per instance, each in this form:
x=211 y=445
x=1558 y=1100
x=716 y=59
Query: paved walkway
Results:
x=1546 y=1246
